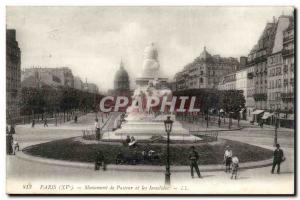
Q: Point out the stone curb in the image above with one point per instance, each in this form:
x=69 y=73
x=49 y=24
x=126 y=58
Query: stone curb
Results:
x=139 y=168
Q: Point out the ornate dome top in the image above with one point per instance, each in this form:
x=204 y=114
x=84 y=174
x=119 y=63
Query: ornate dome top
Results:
x=121 y=78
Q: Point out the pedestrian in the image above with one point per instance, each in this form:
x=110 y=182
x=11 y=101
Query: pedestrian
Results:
x=119 y=158
x=9 y=141
x=133 y=142
x=75 y=119
x=235 y=167
x=227 y=158
x=33 y=123
x=127 y=141
x=194 y=157
x=278 y=158
x=16 y=146
x=97 y=129
x=45 y=122
x=99 y=161
x=12 y=129
x=219 y=123
x=261 y=124
x=145 y=155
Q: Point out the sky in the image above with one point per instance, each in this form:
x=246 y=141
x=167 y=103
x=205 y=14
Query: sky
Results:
x=92 y=40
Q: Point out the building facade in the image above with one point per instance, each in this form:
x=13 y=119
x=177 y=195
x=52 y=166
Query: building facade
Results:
x=54 y=77
x=78 y=84
x=91 y=88
x=250 y=103
x=257 y=59
x=276 y=68
x=13 y=76
x=275 y=81
x=205 y=71
x=228 y=82
x=288 y=57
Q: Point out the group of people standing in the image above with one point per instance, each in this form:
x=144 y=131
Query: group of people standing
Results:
x=229 y=161
x=232 y=162
x=45 y=123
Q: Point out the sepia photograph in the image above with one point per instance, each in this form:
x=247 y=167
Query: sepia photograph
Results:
x=150 y=100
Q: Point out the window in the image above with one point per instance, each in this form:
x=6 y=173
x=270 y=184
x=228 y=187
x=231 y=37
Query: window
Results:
x=292 y=67
x=279 y=83
x=285 y=82
x=285 y=69
x=292 y=81
x=201 y=80
x=201 y=72
x=278 y=70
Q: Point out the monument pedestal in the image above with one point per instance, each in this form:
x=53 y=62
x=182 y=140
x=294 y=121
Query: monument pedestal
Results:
x=145 y=81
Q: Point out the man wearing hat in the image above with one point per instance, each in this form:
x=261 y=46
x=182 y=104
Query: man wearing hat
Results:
x=194 y=156
x=227 y=158
x=97 y=129
x=278 y=158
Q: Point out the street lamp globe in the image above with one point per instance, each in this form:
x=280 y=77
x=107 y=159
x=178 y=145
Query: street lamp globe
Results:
x=168 y=124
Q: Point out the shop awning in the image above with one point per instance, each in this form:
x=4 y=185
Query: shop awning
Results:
x=282 y=116
x=291 y=116
x=267 y=115
x=257 y=112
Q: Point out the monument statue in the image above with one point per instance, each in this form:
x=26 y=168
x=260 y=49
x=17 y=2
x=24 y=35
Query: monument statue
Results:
x=150 y=63
x=151 y=68
x=148 y=123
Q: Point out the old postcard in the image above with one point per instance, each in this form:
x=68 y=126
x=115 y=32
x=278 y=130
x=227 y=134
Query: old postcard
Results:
x=150 y=100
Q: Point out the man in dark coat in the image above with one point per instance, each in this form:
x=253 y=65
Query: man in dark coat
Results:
x=278 y=158
x=33 y=123
x=9 y=142
x=99 y=161
x=194 y=156
x=45 y=122
x=12 y=129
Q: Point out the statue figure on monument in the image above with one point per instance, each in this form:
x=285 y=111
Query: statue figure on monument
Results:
x=150 y=63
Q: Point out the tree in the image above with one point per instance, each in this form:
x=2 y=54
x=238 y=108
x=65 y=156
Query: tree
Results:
x=47 y=99
x=232 y=101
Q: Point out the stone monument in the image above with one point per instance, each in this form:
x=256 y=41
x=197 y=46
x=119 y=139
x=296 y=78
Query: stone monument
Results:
x=149 y=123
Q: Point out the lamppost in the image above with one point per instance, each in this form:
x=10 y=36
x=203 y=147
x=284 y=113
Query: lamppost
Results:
x=207 y=117
x=168 y=128
x=276 y=127
x=230 y=120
